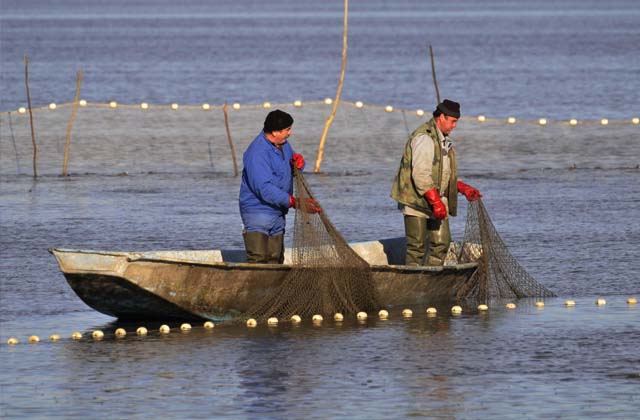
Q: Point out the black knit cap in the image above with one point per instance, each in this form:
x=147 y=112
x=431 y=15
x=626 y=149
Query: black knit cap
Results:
x=449 y=108
x=277 y=120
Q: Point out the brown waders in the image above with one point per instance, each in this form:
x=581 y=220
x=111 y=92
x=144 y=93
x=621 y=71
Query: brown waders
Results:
x=263 y=249
x=418 y=230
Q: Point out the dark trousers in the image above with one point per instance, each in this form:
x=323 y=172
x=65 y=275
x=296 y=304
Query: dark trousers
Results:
x=422 y=233
x=264 y=249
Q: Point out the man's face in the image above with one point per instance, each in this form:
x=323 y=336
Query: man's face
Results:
x=446 y=124
x=281 y=136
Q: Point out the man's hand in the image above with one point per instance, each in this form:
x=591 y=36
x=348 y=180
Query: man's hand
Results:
x=310 y=205
x=468 y=191
x=439 y=209
x=297 y=160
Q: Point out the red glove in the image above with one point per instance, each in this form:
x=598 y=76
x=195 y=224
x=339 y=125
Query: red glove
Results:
x=310 y=206
x=439 y=209
x=468 y=191
x=297 y=160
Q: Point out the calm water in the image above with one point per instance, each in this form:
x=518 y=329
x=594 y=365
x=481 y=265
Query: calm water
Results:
x=577 y=231
x=568 y=58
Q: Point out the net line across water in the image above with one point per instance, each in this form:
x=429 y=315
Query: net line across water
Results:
x=129 y=139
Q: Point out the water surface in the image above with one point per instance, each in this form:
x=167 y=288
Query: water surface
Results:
x=565 y=199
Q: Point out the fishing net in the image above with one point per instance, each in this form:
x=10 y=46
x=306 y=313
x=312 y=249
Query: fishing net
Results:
x=327 y=275
x=499 y=274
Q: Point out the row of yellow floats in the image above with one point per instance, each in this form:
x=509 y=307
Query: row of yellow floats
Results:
x=119 y=333
x=408 y=313
x=329 y=101
x=383 y=314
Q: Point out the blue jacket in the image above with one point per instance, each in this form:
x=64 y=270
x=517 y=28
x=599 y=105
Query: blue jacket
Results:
x=267 y=178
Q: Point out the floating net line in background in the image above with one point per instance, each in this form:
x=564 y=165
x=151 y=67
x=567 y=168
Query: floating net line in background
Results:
x=129 y=139
x=327 y=275
x=499 y=274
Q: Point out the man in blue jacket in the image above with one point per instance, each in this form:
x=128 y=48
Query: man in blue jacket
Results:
x=267 y=188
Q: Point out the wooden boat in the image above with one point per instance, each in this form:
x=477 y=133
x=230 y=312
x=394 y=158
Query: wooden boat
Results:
x=219 y=285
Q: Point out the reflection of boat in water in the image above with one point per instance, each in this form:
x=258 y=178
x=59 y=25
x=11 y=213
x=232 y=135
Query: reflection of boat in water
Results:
x=219 y=284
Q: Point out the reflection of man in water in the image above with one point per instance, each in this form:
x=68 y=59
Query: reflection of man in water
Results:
x=267 y=188
x=426 y=186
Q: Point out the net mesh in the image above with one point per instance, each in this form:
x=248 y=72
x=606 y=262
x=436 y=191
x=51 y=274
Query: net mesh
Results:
x=499 y=274
x=327 y=275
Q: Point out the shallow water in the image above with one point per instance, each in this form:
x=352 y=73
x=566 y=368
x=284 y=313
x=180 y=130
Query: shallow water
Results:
x=565 y=200
x=554 y=362
x=526 y=363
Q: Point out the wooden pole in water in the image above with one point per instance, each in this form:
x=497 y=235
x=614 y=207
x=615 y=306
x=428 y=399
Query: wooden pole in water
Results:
x=433 y=73
x=329 y=120
x=233 y=150
x=73 y=115
x=33 y=135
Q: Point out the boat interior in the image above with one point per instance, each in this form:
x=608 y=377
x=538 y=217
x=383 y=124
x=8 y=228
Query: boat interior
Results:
x=383 y=252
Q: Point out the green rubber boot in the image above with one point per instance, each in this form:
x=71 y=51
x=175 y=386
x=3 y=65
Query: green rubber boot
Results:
x=276 y=249
x=257 y=246
x=415 y=229
x=439 y=239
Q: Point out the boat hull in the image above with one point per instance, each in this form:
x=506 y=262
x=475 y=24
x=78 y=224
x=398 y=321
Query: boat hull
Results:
x=204 y=286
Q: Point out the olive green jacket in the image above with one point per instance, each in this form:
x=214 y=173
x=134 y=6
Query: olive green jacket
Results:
x=404 y=190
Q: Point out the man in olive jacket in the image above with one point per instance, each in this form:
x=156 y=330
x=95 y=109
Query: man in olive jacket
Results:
x=426 y=187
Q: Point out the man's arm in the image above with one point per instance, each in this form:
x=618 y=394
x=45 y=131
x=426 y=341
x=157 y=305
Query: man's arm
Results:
x=422 y=163
x=422 y=150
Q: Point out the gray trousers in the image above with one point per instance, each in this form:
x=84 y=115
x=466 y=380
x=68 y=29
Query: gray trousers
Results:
x=264 y=249
x=424 y=233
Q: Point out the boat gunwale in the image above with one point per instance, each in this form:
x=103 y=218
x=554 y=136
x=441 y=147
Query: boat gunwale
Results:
x=244 y=265
x=131 y=258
